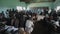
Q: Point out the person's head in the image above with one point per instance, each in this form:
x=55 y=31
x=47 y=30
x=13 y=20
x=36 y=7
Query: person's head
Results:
x=34 y=16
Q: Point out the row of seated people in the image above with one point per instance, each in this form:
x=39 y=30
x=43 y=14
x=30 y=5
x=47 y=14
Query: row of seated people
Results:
x=26 y=23
x=50 y=24
x=17 y=23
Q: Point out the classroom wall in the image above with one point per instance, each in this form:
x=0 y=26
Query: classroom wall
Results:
x=42 y=4
x=4 y=4
x=56 y=3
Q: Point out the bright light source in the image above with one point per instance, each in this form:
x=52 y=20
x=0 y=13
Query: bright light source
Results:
x=58 y=7
x=19 y=8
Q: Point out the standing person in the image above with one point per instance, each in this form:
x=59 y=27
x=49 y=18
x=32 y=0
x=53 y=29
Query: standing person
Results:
x=2 y=19
x=21 y=23
x=2 y=23
x=30 y=24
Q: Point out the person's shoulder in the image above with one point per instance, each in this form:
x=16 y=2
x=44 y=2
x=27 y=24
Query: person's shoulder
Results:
x=28 y=20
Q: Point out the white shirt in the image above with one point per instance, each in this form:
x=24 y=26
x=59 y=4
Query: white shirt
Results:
x=29 y=25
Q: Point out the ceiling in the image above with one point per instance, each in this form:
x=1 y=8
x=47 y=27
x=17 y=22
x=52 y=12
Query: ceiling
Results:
x=37 y=1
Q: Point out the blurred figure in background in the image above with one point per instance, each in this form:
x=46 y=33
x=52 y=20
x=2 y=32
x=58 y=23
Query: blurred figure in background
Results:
x=30 y=24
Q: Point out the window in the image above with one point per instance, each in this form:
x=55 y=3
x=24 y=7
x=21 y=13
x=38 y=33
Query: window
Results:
x=58 y=7
x=19 y=8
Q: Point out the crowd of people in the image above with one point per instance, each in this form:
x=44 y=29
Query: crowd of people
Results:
x=24 y=22
x=17 y=22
